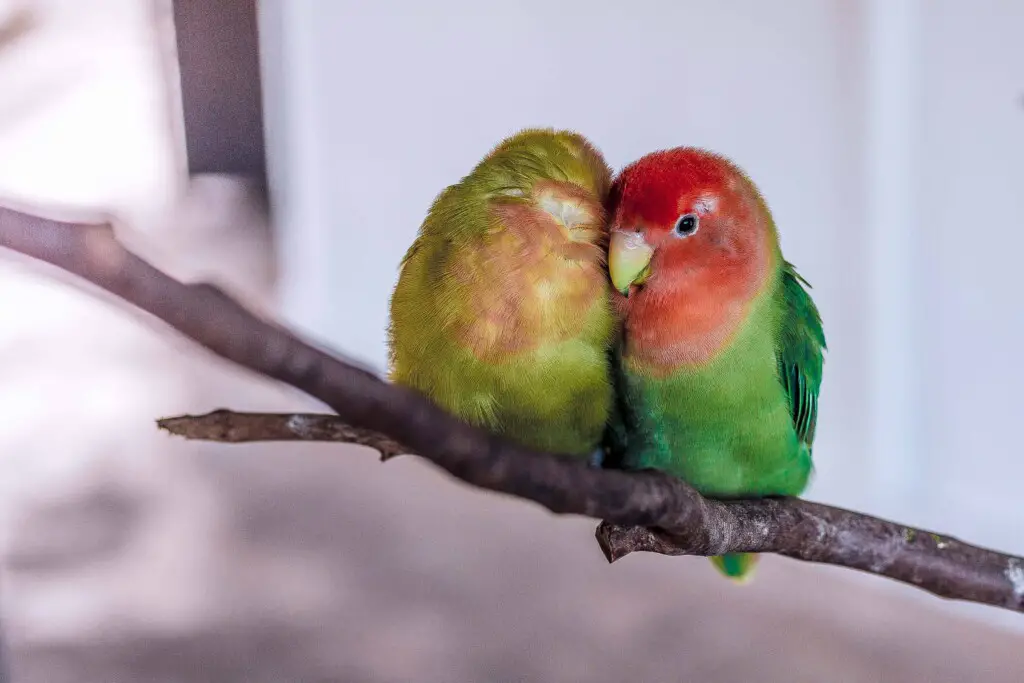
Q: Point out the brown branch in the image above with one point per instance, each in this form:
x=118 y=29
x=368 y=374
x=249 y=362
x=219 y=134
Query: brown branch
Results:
x=690 y=524
x=227 y=426
x=798 y=529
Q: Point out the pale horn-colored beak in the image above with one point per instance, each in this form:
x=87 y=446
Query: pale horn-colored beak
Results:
x=629 y=260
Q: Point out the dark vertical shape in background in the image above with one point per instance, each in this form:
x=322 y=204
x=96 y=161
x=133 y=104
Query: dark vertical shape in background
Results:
x=218 y=51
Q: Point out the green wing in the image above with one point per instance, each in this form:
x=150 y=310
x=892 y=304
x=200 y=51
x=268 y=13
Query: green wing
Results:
x=801 y=345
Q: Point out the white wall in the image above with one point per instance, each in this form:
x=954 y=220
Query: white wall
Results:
x=972 y=233
x=829 y=105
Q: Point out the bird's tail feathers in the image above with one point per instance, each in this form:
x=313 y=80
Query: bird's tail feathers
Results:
x=738 y=567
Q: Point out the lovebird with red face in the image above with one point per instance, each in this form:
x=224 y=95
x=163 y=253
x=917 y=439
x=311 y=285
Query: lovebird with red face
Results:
x=502 y=314
x=720 y=360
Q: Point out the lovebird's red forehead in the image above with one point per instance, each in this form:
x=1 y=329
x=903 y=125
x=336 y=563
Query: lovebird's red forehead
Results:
x=653 y=188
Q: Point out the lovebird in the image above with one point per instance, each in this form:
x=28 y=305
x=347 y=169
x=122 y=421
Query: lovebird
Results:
x=719 y=364
x=502 y=314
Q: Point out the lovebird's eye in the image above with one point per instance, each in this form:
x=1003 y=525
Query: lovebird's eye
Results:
x=686 y=225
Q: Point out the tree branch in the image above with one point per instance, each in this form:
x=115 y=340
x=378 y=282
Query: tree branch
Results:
x=227 y=426
x=798 y=529
x=677 y=519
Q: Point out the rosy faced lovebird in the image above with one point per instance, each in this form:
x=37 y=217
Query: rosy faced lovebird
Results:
x=502 y=314
x=720 y=361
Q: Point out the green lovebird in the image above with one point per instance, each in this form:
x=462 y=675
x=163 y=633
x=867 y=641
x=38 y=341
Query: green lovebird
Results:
x=720 y=360
x=502 y=314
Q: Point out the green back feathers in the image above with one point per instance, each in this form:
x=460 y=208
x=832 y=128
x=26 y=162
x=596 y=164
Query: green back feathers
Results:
x=801 y=345
x=801 y=338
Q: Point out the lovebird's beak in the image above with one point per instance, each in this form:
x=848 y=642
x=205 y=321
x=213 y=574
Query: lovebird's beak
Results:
x=629 y=260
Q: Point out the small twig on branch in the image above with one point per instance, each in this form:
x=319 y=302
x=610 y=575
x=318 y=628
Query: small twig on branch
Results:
x=228 y=426
x=676 y=519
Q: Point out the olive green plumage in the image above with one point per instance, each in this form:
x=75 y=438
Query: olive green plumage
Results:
x=501 y=314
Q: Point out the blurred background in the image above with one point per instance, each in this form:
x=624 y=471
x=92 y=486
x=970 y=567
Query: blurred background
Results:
x=887 y=136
